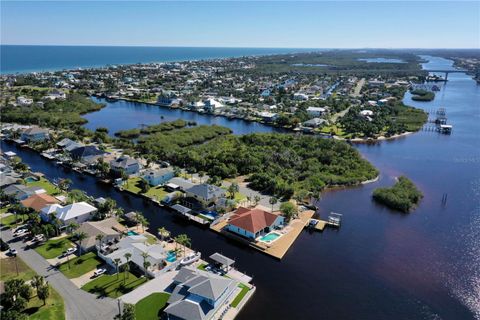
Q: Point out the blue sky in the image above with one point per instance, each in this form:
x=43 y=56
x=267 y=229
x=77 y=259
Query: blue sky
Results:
x=314 y=24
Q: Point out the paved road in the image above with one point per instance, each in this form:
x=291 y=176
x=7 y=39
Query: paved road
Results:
x=79 y=305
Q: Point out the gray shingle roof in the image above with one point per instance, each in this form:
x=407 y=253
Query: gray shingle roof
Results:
x=206 y=191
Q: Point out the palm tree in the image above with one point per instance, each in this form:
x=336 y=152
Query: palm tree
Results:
x=273 y=201
x=81 y=236
x=144 y=222
x=37 y=281
x=64 y=184
x=183 y=240
x=163 y=233
x=256 y=199
x=127 y=256
x=116 y=261
x=55 y=222
x=72 y=226
x=233 y=189
x=99 y=238
x=249 y=200
x=145 y=256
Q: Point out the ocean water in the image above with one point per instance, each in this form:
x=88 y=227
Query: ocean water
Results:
x=24 y=59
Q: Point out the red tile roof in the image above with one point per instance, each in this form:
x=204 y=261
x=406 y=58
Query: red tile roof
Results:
x=252 y=220
x=38 y=201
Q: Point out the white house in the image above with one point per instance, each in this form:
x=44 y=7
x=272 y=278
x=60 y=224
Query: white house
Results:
x=22 y=101
x=78 y=212
x=300 y=96
x=315 y=111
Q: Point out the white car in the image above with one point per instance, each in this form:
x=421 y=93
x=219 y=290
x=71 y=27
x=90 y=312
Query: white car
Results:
x=39 y=237
x=69 y=251
x=12 y=252
x=20 y=232
x=99 y=272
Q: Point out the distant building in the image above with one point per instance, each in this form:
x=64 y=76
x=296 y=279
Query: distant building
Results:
x=300 y=96
x=316 y=111
x=24 y=102
x=21 y=192
x=158 y=177
x=35 y=134
x=314 y=123
x=88 y=154
x=376 y=83
x=110 y=229
x=38 y=201
x=268 y=116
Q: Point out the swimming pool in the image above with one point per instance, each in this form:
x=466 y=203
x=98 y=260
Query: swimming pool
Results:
x=132 y=233
x=171 y=256
x=30 y=179
x=270 y=237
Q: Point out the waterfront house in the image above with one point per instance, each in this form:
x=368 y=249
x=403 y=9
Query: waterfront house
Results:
x=136 y=245
x=252 y=223
x=34 y=134
x=86 y=154
x=166 y=101
x=198 y=295
x=68 y=144
x=300 y=96
x=211 y=105
x=207 y=195
x=315 y=111
x=38 y=201
x=125 y=164
x=110 y=229
x=268 y=116
x=159 y=176
x=77 y=212
x=20 y=192
x=314 y=123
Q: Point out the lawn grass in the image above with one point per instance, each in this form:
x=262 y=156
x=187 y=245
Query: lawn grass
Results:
x=202 y=266
x=45 y=184
x=9 y=221
x=151 y=306
x=53 y=248
x=109 y=285
x=150 y=239
x=80 y=265
x=240 y=296
x=157 y=193
x=4 y=209
x=9 y=270
x=132 y=185
x=52 y=310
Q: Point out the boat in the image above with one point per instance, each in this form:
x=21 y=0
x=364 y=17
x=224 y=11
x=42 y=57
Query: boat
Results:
x=191 y=258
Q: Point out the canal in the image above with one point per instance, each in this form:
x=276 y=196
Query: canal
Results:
x=380 y=264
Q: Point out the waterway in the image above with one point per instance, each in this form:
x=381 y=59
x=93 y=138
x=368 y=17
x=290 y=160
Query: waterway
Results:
x=380 y=264
x=129 y=115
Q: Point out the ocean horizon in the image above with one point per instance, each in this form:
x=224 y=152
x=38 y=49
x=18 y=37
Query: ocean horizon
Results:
x=16 y=59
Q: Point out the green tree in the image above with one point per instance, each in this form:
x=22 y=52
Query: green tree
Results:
x=127 y=256
x=184 y=241
x=99 y=237
x=43 y=292
x=80 y=237
x=128 y=312
x=163 y=233
x=233 y=189
x=273 y=201
x=116 y=262
x=256 y=200
x=64 y=184
x=289 y=210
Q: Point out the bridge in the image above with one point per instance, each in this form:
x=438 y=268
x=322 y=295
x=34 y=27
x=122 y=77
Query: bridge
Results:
x=446 y=72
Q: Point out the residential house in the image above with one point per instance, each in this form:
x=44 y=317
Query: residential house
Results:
x=137 y=245
x=300 y=96
x=86 y=154
x=159 y=176
x=38 y=201
x=211 y=105
x=314 y=123
x=24 y=102
x=77 y=212
x=68 y=144
x=315 y=111
x=198 y=294
x=21 y=192
x=125 y=164
x=252 y=223
x=206 y=194
x=268 y=116
x=110 y=229
x=34 y=134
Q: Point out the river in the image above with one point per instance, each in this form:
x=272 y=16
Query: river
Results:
x=380 y=264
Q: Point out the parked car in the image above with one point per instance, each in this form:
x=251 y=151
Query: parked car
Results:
x=68 y=252
x=20 y=232
x=39 y=237
x=3 y=245
x=12 y=252
x=99 y=272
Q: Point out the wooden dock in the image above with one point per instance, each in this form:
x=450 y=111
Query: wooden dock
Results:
x=279 y=247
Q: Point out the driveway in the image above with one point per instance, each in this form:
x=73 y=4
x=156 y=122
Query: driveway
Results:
x=159 y=284
x=79 y=305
